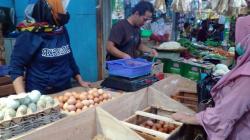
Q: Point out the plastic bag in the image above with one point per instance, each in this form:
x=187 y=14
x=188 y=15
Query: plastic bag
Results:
x=228 y=7
x=204 y=88
x=159 y=27
x=189 y=132
x=186 y=5
x=181 y=6
x=161 y=6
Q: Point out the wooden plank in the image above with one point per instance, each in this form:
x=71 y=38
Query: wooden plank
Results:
x=157 y=98
x=164 y=109
x=113 y=128
x=164 y=136
x=100 y=45
x=157 y=117
x=185 y=98
x=147 y=136
x=5 y=80
x=6 y=90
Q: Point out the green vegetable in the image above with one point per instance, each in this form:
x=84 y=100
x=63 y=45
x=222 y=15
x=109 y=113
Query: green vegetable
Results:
x=215 y=56
x=212 y=43
x=190 y=46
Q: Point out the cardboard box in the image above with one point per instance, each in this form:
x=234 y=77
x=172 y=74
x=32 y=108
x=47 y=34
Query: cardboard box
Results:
x=86 y=125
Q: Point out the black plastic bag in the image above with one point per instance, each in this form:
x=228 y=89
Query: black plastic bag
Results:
x=204 y=88
x=189 y=132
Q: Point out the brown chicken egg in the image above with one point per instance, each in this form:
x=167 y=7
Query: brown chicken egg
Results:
x=90 y=97
x=79 y=105
x=71 y=101
x=71 y=108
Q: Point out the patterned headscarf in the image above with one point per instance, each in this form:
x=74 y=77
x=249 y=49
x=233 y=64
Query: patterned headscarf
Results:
x=43 y=15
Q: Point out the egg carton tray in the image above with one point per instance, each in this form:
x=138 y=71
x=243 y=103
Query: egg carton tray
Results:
x=30 y=123
x=18 y=120
x=153 y=113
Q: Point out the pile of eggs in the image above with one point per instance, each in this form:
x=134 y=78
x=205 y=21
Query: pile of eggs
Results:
x=73 y=102
x=161 y=126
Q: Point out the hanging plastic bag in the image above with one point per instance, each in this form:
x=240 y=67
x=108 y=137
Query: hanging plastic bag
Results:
x=175 y=5
x=160 y=5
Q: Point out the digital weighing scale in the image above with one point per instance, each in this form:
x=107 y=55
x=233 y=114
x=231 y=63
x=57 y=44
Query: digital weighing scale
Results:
x=127 y=84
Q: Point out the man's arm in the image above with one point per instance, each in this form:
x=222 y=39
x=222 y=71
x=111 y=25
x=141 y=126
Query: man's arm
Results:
x=116 y=52
x=146 y=49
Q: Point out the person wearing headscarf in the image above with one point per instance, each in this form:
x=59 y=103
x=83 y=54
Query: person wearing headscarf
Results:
x=42 y=58
x=230 y=118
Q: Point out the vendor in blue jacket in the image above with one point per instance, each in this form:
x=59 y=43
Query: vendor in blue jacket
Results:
x=42 y=58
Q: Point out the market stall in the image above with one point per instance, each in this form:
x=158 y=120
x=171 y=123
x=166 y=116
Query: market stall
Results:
x=138 y=97
x=84 y=125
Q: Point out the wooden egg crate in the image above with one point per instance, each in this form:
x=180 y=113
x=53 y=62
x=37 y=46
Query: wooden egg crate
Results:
x=153 y=123
x=188 y=99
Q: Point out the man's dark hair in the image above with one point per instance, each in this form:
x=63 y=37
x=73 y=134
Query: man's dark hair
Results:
x=142 y=7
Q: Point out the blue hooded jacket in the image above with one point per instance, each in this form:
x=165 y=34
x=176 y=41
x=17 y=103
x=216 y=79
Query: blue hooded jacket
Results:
x=44 y=59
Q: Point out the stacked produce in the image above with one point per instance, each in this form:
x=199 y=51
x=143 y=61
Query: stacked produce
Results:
x=161 y=126
x=222 y=52
x=24 y=104
x=212 y=43
x=73 y=102
x=214 y=53
x=190 y=46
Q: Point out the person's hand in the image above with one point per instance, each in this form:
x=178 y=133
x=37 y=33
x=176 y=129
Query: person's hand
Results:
x=80 y=81
x=185 y=118
x=179 y=116
x=154 y=53
x=84 y=84
x=126 y=56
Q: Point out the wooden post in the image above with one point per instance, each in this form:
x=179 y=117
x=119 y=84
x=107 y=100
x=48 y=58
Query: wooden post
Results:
x=99 y=20
x=2 y=60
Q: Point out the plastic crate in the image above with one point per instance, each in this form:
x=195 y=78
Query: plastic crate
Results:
x=194 y=72
x=172 y=66
x=4 y=70
x=130 y=68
